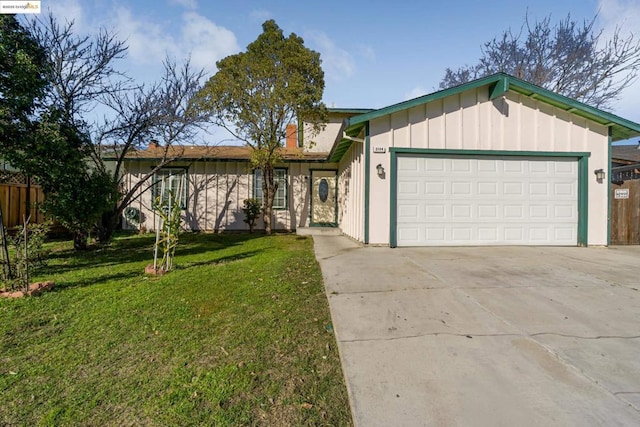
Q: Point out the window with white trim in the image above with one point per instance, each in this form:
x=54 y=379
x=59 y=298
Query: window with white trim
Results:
x=171 y=180
x=280 y=177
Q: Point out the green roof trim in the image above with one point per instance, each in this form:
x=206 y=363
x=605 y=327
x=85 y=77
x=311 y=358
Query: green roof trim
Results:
x=342 y=143
x=423 y=100
x=498 y=85
x=499 y=88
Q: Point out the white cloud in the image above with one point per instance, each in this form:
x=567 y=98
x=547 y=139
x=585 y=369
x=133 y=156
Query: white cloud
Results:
x=148 y=42
x=69 y=11
x=415 y=93
x=187 y=4
x=200 y=38
x=366 y=52
x=260 y=15
x=623 y=15
x=337 y=63
x=206 y=41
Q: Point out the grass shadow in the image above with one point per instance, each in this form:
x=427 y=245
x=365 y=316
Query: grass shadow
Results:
x=223 y=260
x=128 y=248
x=96 y=280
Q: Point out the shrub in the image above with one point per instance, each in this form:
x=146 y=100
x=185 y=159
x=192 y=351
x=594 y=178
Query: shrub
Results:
x=251 y=210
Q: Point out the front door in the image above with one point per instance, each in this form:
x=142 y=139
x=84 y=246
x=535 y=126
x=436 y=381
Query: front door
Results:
x=324 y=201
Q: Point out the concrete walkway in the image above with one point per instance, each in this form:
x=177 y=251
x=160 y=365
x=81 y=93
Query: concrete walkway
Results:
x=500 y=336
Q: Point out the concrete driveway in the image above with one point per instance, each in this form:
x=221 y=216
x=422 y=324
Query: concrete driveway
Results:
x=486 y=336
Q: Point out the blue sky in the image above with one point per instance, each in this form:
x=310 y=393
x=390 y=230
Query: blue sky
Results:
x=374 y=53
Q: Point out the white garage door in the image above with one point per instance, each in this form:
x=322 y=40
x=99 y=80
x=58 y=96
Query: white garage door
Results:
x=486 y=201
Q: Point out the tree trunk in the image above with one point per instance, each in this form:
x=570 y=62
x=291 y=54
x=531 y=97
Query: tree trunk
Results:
x=267 y=220
x=107 y=226
x=80 y=240
x=269 y=187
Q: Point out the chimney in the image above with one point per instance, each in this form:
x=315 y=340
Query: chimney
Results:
x=153 y=144
x=292 y=136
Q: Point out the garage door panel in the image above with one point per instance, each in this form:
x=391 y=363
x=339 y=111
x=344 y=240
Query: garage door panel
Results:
x=512 y=189
x=538 y=234
x=564 y=189
x=461 y=188
x=538 y=167
x=487 y=234
x=435 y=211
x=460 y=165
x=537 y=189
x=513 y=234
x=436 y=188
x=487 y=188
x=461 y=233
x=511 y=167
x=435 y=165
x=567 y=168
x=409 y=165
x=509 y=203
x=538 y=211
x=408 y=188
x=513 y=211
x=491 y=167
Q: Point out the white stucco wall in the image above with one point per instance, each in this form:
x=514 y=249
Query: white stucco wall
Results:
x=471 y=121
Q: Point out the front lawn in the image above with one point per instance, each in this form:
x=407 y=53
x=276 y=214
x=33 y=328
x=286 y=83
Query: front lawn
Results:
x=239 y=334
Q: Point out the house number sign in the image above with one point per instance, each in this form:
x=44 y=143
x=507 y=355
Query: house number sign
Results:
x=621 y=193
x=379 y=150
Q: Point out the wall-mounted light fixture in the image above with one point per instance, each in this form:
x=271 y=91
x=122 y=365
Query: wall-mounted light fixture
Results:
x=599 y=175
x=380 y=170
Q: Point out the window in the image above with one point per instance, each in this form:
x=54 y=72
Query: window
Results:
x=280 y=177
x=169 y=180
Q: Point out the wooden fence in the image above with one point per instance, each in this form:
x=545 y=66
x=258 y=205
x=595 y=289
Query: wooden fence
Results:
x=625 y=213
x=13 y=202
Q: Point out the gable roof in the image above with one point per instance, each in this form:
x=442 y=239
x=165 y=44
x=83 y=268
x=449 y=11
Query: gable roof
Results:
x=497 y=84
x=626 y=153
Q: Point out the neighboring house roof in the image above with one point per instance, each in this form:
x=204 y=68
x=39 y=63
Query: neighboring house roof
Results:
x=223 y=153
x=628 y=154
x=498 y=84
x=350 y=110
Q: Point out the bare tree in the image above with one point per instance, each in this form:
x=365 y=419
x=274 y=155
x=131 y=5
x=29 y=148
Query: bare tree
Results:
x=82 y=67
x=160 y=111
x=568 y=58
x=84 y=78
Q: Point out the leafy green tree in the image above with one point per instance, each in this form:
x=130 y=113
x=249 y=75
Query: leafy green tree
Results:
x=255 y=94
x=43 y=136
x=569 y=58
x=23 y=84
x=76 y=194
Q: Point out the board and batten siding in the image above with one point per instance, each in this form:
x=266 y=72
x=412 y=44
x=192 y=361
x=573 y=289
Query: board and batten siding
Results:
x=216 y=192
x=470 y=121
x=351 y=186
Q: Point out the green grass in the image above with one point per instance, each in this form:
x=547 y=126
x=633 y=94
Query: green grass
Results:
x=236 y=335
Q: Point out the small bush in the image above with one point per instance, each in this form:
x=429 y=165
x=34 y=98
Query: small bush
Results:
x=22 y=265
x=251 y=210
